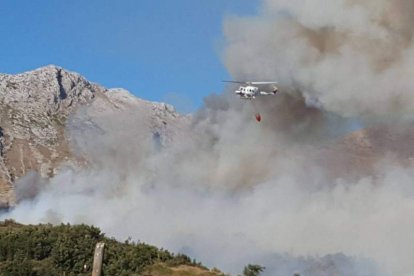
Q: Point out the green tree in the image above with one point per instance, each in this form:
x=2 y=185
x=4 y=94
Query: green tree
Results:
x=18 y=267
x=253 y=270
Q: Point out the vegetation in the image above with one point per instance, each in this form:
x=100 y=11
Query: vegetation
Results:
x=68 y=250
x=252 y=270
x=161 y=270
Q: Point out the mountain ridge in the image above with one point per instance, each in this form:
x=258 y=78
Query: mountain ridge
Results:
x=34 y=111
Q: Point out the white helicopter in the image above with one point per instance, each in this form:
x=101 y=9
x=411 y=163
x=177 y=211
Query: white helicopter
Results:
x=251 y=91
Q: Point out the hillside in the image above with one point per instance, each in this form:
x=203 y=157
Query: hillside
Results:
x=35 y=109
x=68 y=249
x=212 y=186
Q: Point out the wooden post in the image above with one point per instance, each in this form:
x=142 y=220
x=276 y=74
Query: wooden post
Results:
x=97 y=259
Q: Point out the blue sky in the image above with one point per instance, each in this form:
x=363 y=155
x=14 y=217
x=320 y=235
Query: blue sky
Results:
x=160 y=50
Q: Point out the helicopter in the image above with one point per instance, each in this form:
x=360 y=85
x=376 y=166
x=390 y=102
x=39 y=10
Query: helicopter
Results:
x=250 y=91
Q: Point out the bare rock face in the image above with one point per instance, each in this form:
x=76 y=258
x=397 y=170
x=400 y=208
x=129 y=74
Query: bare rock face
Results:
x=34 y=111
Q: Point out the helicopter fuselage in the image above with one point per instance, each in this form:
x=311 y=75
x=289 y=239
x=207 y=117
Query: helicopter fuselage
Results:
x=250 y=92
x=247 y=92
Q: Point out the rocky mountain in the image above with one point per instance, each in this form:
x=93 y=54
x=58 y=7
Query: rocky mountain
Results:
x=47 y=114
x=35 y=108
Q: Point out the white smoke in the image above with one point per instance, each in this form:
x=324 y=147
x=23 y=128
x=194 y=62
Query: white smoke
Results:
x=355 y=57
x=282 y=193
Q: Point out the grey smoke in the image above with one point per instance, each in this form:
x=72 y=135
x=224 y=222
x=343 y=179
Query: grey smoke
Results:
x=29 y=186
x=355 y=57
x=285 y=193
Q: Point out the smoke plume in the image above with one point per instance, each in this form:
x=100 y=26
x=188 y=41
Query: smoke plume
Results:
x=354 y=57
x=297 y=192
